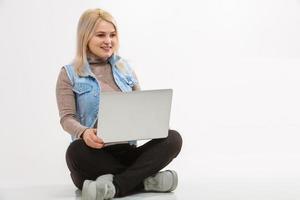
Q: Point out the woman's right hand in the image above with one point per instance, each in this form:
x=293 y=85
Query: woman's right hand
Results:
x=91 y=139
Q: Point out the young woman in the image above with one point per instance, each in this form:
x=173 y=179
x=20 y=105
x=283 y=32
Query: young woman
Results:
x=100 y=171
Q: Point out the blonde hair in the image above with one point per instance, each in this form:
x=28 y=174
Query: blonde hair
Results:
x=85 y=30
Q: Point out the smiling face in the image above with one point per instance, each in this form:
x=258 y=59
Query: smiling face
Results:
x=104 y=41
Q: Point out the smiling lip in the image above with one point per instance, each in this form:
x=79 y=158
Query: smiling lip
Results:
x=106 y=48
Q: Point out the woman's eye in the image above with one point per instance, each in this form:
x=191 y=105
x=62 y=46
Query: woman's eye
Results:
x=113 y=35
x=101 y=35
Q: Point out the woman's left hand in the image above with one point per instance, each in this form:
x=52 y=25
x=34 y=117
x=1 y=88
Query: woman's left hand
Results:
x=91 y=139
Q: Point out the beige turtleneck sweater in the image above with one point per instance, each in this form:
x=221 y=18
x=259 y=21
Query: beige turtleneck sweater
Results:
x=66 y=97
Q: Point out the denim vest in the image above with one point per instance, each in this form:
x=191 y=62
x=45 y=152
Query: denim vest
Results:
x=87 y=89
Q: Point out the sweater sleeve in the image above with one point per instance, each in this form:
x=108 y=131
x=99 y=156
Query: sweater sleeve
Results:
x=65 y=98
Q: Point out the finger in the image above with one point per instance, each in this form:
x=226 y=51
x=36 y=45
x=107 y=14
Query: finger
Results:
x=96 y=131
x=95 y=145
x=96 y=139
x=100 y=139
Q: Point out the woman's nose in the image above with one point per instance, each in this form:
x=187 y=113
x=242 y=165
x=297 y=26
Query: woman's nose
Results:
x=107 y=40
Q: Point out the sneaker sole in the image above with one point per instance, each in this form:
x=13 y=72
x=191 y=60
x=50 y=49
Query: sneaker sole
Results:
x=175 y=178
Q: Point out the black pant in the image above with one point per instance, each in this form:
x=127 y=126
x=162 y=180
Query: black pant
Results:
x=130 y=165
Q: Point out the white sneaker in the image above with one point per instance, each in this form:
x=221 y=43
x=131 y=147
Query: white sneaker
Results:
x=101 y=189
x=89 y=190
x=105 y=186
x=165 y=181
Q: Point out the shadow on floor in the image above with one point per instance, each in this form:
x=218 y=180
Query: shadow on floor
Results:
x=67 y=192
x=140 y=196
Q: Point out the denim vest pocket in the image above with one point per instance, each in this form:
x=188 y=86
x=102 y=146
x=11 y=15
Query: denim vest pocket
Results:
x=81 y=88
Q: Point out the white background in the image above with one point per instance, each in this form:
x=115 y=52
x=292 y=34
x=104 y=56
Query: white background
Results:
x=233 y=65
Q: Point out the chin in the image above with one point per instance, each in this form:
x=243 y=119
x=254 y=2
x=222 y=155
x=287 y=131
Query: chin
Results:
x=109 y=55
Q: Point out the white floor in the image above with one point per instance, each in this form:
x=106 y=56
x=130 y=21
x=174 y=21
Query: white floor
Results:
x=215 y=185
x=217 y=190
x=67 y=192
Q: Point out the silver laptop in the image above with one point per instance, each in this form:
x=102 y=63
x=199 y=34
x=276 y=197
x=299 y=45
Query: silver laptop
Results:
x=136 y=115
